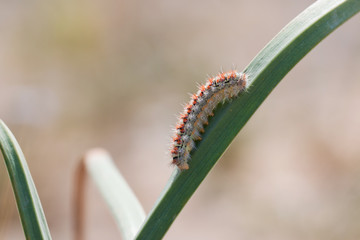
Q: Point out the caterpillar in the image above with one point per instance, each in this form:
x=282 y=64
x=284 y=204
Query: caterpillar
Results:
x=196 y=113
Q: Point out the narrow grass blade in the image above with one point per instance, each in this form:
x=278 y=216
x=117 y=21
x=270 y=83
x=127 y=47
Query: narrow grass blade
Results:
x=28 y=202
x=79 y=201
x=265 y=72
x=123 y=203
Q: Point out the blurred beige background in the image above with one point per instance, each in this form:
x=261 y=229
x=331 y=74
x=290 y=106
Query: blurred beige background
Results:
x=114 y=74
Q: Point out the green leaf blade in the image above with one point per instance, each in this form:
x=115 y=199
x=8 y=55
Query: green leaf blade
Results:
x=264 y=72
x=123 y=203
x=28 y=202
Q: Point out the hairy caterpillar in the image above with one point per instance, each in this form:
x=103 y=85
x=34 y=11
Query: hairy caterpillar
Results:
x=202 y=104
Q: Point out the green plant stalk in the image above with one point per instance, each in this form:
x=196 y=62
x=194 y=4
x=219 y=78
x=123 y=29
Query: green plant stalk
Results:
x=265 y=71
x=28 y=202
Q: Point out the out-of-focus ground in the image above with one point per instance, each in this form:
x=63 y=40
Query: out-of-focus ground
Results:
x=113 y=74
